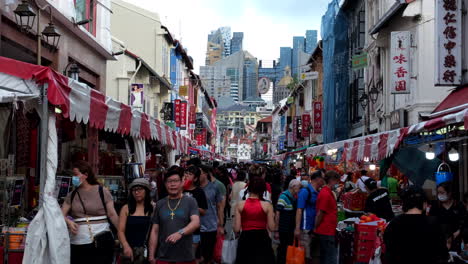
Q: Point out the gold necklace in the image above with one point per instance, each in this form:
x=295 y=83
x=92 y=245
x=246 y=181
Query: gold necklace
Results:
x=172 y=210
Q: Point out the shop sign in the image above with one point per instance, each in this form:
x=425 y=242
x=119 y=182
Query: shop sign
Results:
x=294 y=128
x=168 y=111
x=317 y=117
x=137 y=99
x=183 y=90
x=171 y=124
x=291 y=141
x=400 y=62
x=183 y=115
x=281 y=140
x=359 y=61
x=305 y=76
x=448 y=42
x=305 y=125
x=199 y=121
x=16 y=193
x=290 y=100
x=177 y=112
x=192 y=116
x=299 y=126
x=398 y=119
x=265 y=147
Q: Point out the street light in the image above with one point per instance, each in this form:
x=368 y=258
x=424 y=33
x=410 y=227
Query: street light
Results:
x=364 y=100
x=74 y=71
x=24 y=15
x=51 y=35
x=374 y=94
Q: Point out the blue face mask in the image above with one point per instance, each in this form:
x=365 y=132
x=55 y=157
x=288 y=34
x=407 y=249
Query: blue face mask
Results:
x=76 y=181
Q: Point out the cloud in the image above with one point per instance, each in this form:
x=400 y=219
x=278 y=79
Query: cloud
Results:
x=267 y=24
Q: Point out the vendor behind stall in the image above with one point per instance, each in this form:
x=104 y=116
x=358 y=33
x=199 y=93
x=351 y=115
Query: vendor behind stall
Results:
x=378 y=201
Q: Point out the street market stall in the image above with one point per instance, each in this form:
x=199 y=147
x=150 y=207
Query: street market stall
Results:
x=53 y=95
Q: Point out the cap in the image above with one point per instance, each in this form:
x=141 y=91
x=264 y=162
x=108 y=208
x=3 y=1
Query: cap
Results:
x=140 y=182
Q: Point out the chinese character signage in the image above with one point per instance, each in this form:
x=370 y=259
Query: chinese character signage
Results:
x=199 y=120
x=400 y=62
x=192 y=116
x=168 y=111
x=183 y=115
x=177 y=112
x=448 y=42
x=183 y=90
x=359 y=61
x=281 y=140
x=305 y=125
x=317 y=117
x=291 y=142
x=294 y=129
x=299 y=127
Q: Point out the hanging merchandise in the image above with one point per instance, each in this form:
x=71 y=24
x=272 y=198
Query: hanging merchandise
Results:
x=443 y=176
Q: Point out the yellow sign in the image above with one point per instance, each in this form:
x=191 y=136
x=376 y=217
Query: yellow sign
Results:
x=183 y=90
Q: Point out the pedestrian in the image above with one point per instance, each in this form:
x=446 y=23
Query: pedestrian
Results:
x=414 y=237
x=449 y=211
x=256 y=171
x=175 y=219
x=392 y=185
x=306 y=213
x=254 y=217
x=360 y=182
x=239 y=184
x=378 y=201
x=211 y=222
x=326 y=219
x=135 y=223
x=90 y=207
x=349 y=185
x=192 y=189
x=285 y=218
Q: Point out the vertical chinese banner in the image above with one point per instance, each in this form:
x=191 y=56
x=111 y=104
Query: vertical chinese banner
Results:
x=448 y=42
x=199 y=138
x=317 y=117
x=294 y=129
x=183 y=115
x=400 y=62
x=213 y=121
x=305 y=125
x=177 y=112
x=204 y=134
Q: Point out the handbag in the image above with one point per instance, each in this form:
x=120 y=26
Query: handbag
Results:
x=102 y=240
x=218 y=249
x=295 y=254
x=443 y=176
x=229 y=251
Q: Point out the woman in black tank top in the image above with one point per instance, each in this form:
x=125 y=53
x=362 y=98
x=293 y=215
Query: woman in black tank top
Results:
x=135 y=223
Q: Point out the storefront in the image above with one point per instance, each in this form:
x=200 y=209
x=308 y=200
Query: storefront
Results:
x=50 y=121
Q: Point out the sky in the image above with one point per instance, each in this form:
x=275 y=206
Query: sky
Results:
x=267 y=24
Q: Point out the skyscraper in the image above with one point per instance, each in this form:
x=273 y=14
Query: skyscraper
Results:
x=285 y=57
x=311 y=41
x=250 y=78
x=236 y=42
x=219 y=45
x=298 y=45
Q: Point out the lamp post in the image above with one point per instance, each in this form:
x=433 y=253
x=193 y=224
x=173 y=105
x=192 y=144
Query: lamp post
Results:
x=25 y=17
x=364 y=101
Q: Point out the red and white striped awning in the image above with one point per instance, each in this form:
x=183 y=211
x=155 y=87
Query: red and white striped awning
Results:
x=81 y=103
x=382 y=145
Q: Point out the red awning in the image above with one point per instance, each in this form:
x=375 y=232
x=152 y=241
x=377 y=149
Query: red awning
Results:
x=457 y=97
x=265 y=120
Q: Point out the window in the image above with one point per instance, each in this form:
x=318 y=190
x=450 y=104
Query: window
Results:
x=86 y=9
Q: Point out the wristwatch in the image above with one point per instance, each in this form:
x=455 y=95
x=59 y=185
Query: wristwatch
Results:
x=181 y=232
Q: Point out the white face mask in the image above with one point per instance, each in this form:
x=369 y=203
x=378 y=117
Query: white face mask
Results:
x=442 y=197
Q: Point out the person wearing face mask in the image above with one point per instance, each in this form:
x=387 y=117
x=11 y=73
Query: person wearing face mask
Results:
x=326 y=220
x=378 y=201
x=450 y=212
x=305 y=215
x=414 y=237
x=192 y=188
x=91 y=207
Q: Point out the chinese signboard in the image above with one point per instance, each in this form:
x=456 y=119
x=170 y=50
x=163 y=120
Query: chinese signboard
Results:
x=359 y=61
x=448 y=42
x=305 y=125
x=168 y=111
x=183 y=90
x=199 y=120
x=281 y=140
x=183 y=115
x=294 y=129
x=192 y=116
x=291 y=142
x=177 y=118
x=400 y=62
x=317 y=117
x=398 y=119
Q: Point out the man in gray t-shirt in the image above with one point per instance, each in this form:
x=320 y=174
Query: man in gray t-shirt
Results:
x=174 y=220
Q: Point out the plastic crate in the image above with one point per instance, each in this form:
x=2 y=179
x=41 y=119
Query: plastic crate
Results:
x=354 y=201
x=365 y=232
x=364 y=250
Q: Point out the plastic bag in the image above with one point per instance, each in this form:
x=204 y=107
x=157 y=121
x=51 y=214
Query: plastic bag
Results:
x=229 y=250
x=295 y=254
x=376 y=259
x=218 y=249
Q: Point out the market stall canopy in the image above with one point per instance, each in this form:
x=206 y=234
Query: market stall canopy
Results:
x=13 y=88
x=382 y=145
x=457 y=98
x=81 y=103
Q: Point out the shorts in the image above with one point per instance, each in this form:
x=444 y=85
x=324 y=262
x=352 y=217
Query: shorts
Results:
x=311 y=244
x=207 y=244
x=196 y=238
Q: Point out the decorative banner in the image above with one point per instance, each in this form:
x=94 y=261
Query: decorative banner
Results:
x=317 y=117
x=448 y=36
x=199 y=120
x=294 y=128
x=400 y=64
x=177 y=112
x=183 y=115
x=137 y=99
x=305 y=125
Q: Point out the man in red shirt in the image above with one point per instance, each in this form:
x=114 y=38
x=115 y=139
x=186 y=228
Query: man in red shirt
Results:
x=327 y=218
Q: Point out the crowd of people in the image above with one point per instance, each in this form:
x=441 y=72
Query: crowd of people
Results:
x=181 y=221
